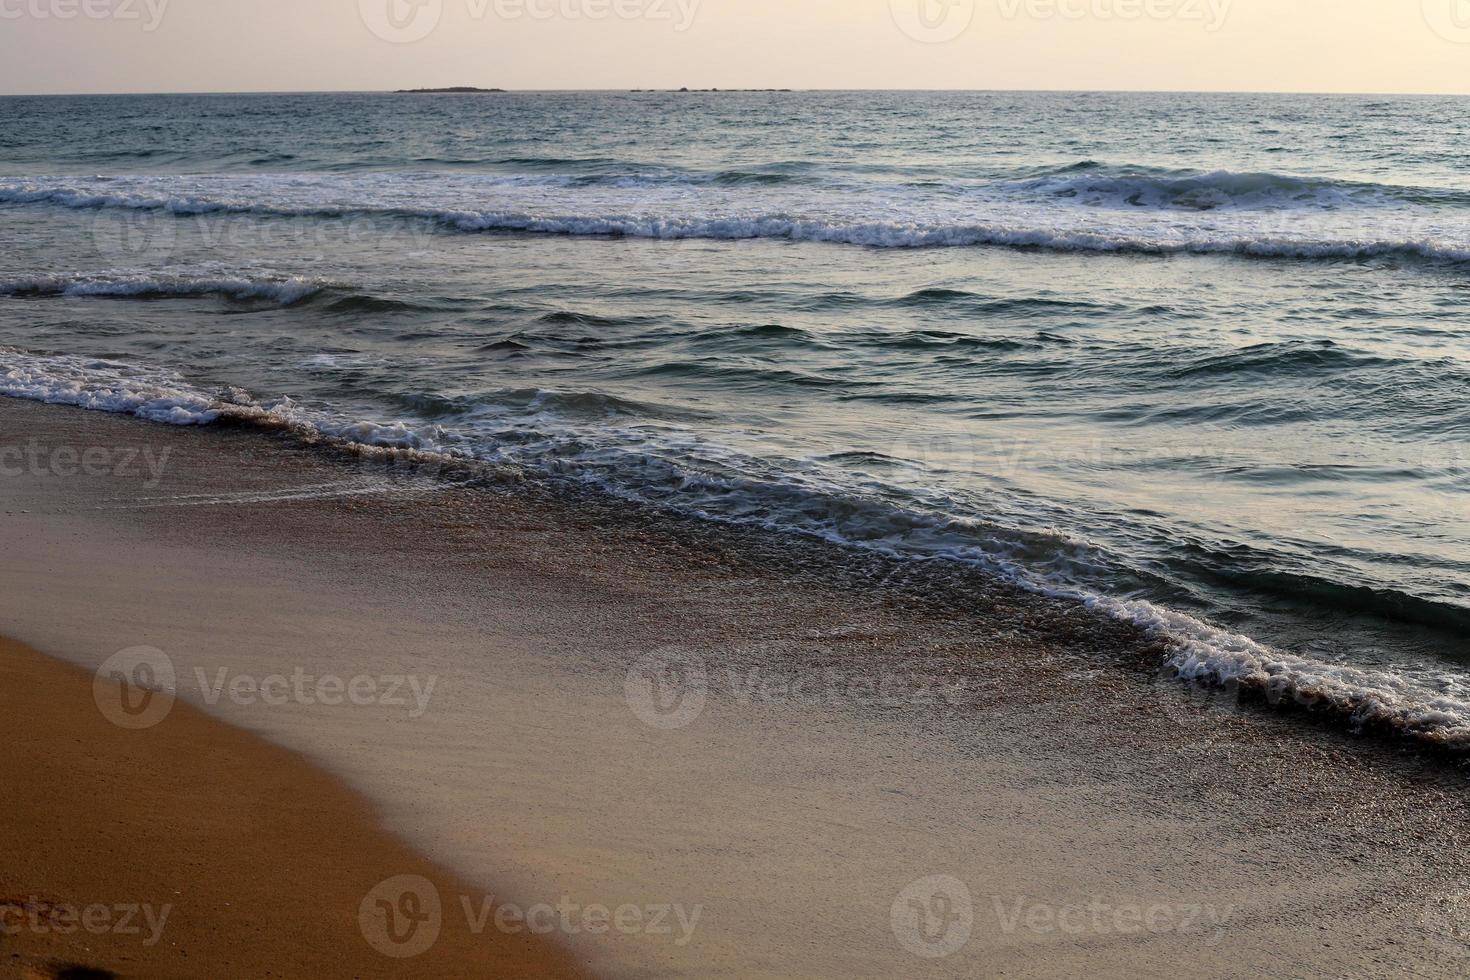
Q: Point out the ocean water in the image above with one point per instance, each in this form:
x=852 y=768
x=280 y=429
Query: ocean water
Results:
x=1200 y=361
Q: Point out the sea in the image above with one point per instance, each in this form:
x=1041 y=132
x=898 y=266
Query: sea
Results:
x=1200 y=362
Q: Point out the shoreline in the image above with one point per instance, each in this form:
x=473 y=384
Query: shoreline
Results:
x=1203 y=660
x=191 y=849
x=1021 y=746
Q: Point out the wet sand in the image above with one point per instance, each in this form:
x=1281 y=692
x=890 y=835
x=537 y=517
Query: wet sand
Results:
x=813 y=762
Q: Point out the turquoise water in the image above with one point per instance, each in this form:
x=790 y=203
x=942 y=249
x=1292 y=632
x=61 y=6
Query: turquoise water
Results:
x=1200 y=361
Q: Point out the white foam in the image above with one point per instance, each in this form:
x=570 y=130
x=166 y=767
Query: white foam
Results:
x=386 y=435
x=159 y=395
x=1419 y=705
x=106 y=386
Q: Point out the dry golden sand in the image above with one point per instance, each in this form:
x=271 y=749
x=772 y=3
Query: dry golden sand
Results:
x=1065 y=773
x=200 y=851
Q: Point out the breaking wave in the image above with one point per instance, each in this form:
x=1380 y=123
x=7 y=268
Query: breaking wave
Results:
x=284 y=290
x=1261 y=215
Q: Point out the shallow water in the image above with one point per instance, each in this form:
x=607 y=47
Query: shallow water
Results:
x=1199 y=360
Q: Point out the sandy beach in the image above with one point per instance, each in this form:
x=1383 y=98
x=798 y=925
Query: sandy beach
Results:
x=190 y=849
x=713 y=752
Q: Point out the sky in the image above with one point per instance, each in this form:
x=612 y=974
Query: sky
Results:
x=76 y=46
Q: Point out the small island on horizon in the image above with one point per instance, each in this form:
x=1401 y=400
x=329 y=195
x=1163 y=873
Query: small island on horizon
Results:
x=452 y=90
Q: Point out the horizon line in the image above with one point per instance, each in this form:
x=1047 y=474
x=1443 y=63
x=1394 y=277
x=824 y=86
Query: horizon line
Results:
x=736 y=90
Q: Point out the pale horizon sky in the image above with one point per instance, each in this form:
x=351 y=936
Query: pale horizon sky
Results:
x=138 y=46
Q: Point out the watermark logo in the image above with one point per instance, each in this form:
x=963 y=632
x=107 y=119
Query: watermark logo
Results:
x=1198 y=706
x=1451 y=459
x=401 y=917
x=1450 y=19
x=401 y=21
x=127 y=235
x=1449 y=916
x=933 y=21
x=667 y=689
x=933 y=917
x=945 y=452
x=404 y=916
x=937 y=451
x=135 y=688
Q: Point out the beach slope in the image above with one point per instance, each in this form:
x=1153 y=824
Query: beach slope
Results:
x=191 y=849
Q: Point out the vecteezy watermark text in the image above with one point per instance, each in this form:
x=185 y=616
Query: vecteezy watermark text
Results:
x=1104 y=917
x=136 y=688
x=1211 y=13
x=669 y=688
x=131 y=236
x=40 y=917
x=332 y=690
x=940 y=21
x=934 y=917
x=404 y=916
x=33 y=458
x=148 y=12
x=1448 y=916
x=407 y=21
